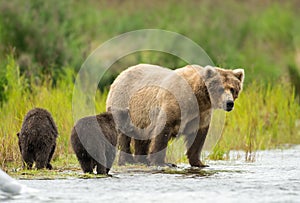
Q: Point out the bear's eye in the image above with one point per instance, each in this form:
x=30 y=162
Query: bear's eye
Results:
x=233 y=92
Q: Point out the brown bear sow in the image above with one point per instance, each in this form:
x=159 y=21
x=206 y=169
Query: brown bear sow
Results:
x=37 y=139
x=94 y=139
x=165 y=103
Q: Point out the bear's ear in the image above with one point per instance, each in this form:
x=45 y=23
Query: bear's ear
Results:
x=209 y=72
x=239 y=73
x=18 y=134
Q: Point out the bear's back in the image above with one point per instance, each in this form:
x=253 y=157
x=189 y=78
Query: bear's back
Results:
x=39 y=121
x=144 y=88
x=133 y=79
x=100 y=128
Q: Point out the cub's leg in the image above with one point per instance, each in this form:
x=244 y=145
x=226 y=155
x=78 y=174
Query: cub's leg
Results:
x=49 y=166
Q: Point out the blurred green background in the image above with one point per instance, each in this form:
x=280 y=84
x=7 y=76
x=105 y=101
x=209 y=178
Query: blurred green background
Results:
x=263 y=37
x=44 y=43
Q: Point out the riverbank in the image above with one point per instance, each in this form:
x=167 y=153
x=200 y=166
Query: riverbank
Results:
x=274 y=176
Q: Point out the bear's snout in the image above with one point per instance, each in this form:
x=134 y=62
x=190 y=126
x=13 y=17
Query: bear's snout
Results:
x=229 y=105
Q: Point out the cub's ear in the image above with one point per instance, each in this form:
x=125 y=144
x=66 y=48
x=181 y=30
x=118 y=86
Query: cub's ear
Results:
x=18 y=134
x=240 y=74
x=120 y=112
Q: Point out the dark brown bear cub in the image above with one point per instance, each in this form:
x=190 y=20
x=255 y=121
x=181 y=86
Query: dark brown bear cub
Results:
x=94 y=140
x=37 y=139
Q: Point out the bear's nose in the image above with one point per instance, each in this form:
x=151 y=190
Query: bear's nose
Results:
x=229 y=105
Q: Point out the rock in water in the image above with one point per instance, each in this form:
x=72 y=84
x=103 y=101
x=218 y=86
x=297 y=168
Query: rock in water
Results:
x=10 y=186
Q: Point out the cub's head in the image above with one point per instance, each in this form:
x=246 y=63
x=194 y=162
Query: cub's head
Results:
x=122 y=119
x=223 y=86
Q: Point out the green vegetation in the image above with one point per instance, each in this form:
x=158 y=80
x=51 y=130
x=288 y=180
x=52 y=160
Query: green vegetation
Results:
x=43 y=44
x=46 y=37
x=263 y=118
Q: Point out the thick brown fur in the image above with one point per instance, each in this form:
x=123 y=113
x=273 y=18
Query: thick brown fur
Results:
x=37 y=139
x=94 y=139
x=138 y=88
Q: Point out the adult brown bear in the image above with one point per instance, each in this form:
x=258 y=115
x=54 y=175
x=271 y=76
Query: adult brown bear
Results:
x=164 y=103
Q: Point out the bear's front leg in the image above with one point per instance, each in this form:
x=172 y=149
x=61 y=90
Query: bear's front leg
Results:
x=27 y=160
x=195 y=147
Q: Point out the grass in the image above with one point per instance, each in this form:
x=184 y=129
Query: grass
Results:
x=263 y=118
x=262 y=37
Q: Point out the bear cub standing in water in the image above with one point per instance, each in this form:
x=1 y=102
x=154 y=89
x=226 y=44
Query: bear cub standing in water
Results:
x=37 y=139
x=94 y=140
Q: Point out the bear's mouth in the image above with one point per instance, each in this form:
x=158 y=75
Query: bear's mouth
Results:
x=228 y=109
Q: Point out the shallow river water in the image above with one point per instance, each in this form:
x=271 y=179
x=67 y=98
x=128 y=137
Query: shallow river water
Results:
x=273 y=177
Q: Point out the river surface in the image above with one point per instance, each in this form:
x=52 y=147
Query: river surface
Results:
x=273 y=177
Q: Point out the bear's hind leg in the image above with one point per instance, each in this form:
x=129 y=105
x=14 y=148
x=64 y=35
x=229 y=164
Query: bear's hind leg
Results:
x=49 y=166
x=101 y=163
x=87 y=165
x=125 y=152
x=110 y=157
x=158 y=148
x=141 y=150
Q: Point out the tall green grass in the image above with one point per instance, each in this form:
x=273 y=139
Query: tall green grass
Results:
x=262 y=37
x=263 y=118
